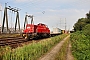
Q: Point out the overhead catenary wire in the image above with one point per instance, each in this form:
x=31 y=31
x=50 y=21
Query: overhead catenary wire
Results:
x=29 y=3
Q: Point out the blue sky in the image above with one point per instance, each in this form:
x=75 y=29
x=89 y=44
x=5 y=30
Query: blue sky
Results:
x=55 y=11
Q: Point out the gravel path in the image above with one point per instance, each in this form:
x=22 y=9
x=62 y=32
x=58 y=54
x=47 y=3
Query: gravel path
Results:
x=51 y=55
x=69 y=53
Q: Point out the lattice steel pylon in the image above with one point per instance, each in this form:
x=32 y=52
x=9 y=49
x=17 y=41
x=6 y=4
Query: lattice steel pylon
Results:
x=17 y=19
x=5 y=16
x=26 y=22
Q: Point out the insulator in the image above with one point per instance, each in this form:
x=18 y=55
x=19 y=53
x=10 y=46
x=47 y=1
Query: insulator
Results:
x=9 y=6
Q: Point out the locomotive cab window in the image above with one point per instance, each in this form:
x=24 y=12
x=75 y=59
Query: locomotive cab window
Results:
x=28 y=27
x=46 y=26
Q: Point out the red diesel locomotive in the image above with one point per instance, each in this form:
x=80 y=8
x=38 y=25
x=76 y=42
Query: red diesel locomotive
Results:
x=36 y=31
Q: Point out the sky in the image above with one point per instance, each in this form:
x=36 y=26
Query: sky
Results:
x=53 y=13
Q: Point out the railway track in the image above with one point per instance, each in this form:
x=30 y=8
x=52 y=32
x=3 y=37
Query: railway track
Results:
x=15 y=42
x=12 y=42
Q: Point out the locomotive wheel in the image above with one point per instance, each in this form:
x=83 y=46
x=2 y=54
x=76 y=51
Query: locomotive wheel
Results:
x=22 y=35
x=27 y=37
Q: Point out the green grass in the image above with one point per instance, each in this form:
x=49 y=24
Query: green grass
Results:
x=32 y=51
x=80 y=46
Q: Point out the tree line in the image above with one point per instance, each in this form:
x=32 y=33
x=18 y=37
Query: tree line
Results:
x=82 y=23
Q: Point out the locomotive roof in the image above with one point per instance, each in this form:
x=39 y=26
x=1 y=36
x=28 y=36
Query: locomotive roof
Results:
x=41 y=24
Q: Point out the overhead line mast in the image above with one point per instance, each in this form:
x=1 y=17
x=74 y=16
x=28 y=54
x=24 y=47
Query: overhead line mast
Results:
x=65 y=24
x=5 y=16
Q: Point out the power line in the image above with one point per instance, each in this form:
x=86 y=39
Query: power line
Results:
x=65 y=24
x=29 y=4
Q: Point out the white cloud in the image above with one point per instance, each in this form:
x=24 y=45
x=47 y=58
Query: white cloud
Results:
x=51 y=10
x=52 y=17
x=20 y=1
x=72 y=10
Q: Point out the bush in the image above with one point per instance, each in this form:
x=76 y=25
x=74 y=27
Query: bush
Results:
x=80 y=45
x=86 y=30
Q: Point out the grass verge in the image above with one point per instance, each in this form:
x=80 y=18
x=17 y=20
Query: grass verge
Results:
x=9 y=35
x=32 y=51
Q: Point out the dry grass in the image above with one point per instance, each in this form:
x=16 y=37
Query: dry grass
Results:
x=9 y=35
